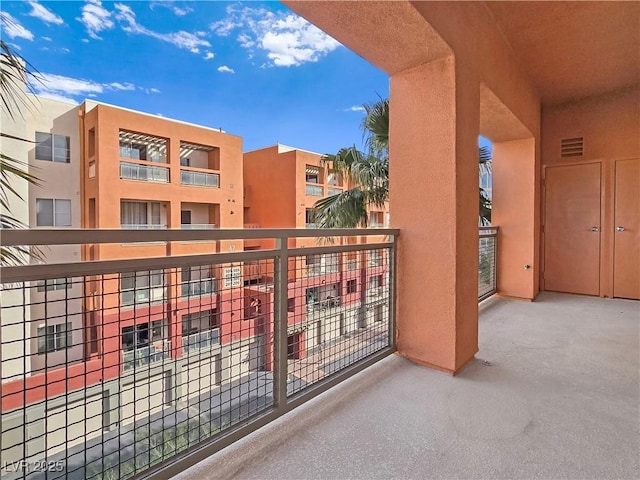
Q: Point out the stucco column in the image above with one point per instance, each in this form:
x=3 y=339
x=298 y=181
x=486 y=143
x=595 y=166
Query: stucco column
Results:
x=434 y=122
x=515 y=181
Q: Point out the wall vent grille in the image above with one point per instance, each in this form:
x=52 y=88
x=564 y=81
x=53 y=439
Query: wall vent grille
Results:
x=571 y=147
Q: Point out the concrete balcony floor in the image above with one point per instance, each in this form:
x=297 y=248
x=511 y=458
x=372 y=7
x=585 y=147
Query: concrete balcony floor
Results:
x=553 y=393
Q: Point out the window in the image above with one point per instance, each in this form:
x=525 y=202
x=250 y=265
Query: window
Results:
x=352 y=286
x=185 y=162
x=291 y=305
x=137 y=336
x=310 y=218
x=53 y=212
x=375 y=282
x=52 y=148
x=54 y=284
x=140 y=215
x=136 y=151
x=138 y=287
x=54 y=337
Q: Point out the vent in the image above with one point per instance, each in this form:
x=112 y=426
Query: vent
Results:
x=571 y=147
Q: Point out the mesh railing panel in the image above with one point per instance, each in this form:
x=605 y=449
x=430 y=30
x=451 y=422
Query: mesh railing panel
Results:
x=345 y=317
x=112 y=372
x=487 y=250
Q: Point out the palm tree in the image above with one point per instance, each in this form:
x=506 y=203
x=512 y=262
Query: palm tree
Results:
x=368 y=175
x=14 y=75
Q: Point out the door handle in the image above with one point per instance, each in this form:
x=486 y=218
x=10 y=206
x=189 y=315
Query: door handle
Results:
x=620 y=228
x=595 y=229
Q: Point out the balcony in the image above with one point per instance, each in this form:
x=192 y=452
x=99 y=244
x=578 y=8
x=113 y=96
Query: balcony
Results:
x=199 y=179
x=134 y=171
x=142 y=357
x=314 y=190
x=201 y=340
x=263 y=366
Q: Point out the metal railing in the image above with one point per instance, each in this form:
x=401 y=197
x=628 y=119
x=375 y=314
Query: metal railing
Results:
x=314 y=190
x=202 y=179
x=142 y=226
x=487 y=262
x=101 y=411
x=141 y=356
x=134 y=171
x=199 y=340
x=198 y=226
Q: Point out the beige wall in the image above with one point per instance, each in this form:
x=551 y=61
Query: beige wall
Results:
x=58 y=181
x=12 y=329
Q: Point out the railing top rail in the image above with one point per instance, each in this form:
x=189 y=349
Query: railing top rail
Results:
x=11 y=237
x=33 y=272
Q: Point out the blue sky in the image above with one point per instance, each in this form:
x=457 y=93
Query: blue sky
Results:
x=253 y=68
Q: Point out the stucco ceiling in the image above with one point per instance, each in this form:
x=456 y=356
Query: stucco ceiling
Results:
x=573 y=49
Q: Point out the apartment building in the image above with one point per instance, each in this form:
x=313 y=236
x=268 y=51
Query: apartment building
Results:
x=330 y=294
x=54 y=158
x=117 y=346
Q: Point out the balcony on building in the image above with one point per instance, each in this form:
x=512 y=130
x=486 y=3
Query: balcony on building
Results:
x=200 y=331
x=138 y=154
x=314 y=181
x=199 y=216
x=335 y=184
x=144 y=344
x=199 y=165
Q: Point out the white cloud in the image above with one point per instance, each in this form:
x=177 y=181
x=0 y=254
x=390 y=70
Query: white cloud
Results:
x=208 y=56
x=46 y=39
x=95 y=18
x=85 y=40
x=287 y=39
x=178 y=11
x=225 y=69
x=122 y=86
x=44 y=14
x=12 y=28
x=154 y=90
x=181 y=39
x=354 y=108
x=16 y=46
x=61 y=87
x=181 y=12
x=65 y=50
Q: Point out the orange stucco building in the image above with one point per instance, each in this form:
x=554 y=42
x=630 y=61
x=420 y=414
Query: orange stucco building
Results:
x=566 y=151
x=300 y=179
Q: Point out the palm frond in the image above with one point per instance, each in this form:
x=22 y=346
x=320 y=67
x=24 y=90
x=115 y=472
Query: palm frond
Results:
x=375 y=127
x=343 y=210
x=15 y=74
